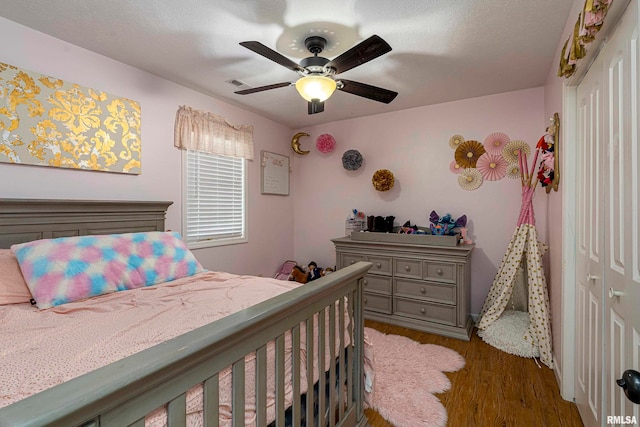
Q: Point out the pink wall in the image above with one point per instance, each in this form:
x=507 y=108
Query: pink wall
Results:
x=553 y=103
x=161 y=162
x=413 y=144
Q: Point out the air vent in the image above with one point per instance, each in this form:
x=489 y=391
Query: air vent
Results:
x=236 y=83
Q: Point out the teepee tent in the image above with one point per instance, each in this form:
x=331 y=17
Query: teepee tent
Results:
x=518 y=301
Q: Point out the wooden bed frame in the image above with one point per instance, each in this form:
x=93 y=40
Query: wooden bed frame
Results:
x=122 y=393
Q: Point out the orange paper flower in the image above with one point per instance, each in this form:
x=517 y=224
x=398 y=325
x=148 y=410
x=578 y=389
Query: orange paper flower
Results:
x=383 y=180
x=468 y=153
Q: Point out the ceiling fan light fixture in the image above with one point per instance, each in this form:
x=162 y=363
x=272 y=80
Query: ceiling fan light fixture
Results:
x=312 y=87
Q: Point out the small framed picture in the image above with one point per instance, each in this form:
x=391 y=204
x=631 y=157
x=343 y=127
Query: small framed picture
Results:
x=275 y=174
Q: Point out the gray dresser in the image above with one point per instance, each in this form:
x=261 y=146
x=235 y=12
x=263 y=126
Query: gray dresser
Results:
x=416 y=286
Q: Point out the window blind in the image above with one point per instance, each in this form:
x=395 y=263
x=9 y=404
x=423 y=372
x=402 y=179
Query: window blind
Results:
x=215 y=190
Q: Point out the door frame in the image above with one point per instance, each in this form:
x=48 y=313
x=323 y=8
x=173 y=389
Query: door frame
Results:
x=569 y=165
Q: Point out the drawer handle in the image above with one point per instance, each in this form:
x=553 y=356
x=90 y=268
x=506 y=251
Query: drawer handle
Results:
x=407 y=268
x=352 y=262
x=365 y=301
x=378 y=265
x=423 y=310
x=439 y=271
x=365 y=282
x=423 y=291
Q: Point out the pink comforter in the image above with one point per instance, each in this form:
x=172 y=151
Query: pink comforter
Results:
x=42 y=348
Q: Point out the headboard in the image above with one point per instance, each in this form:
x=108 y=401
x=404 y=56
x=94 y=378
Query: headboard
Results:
x=23 y=220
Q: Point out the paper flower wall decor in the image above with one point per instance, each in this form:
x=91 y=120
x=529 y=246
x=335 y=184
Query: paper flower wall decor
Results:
x=468 y=153
x=454 y=167
x=383 y=180
x=495 y=142
x=510 y=151
x=492 y=167
x=455 y=141
x=470 y=179
x=351 y=160
x=325 y=143
x=513 y=171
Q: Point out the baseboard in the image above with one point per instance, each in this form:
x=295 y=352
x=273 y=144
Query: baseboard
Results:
x=557 y=370
x=474 y=317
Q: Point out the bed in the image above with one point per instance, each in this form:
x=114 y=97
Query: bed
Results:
x=249 y=367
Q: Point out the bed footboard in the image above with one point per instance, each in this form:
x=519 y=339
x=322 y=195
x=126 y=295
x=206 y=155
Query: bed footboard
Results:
x=126 y=392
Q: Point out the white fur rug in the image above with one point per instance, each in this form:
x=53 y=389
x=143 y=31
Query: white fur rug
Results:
x=407 y=374
x=507 y=333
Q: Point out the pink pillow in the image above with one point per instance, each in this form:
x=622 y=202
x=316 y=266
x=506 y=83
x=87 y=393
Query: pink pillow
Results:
x=13 y=288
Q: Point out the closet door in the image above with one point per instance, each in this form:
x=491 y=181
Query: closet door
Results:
x=608 y=234
x=621 y=243
x=589 y=250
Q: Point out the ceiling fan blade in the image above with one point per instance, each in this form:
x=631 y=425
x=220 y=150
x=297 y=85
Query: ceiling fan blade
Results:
x=271 y=54
x=261 y=88
x=365 y=51
x=315 y=107
x=367 y=91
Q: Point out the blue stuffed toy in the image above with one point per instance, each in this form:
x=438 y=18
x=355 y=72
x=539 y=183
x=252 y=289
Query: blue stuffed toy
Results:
x=445 y=225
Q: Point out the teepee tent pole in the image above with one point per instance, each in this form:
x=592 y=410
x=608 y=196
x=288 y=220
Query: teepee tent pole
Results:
x=533 y=168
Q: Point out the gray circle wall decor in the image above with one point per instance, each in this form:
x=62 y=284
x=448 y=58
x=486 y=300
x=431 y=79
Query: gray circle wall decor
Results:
x=351 y=160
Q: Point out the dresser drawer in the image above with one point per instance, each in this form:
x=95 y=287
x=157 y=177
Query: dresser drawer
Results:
x=414 y=286
x=440 y=271
x=445 y=314
x=346 y=259
x=381 y=264
x=431 y=291
x=373 y=283
x=379 y=303
x=407 y=267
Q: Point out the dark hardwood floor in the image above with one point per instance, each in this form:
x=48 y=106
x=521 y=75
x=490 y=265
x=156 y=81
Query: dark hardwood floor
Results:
x=494 y=389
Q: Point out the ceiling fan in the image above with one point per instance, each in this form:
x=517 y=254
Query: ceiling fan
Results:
x=316 y=82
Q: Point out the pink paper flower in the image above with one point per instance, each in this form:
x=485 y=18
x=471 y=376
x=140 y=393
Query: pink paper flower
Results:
x=325 y=143
x=455 y=168
x=492 y=167
x=495 y=142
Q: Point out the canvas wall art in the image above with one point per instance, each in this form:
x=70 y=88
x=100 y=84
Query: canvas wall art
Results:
x=46 y=121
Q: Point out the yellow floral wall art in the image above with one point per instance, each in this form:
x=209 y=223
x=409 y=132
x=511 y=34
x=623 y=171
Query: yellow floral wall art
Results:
x=45 y=121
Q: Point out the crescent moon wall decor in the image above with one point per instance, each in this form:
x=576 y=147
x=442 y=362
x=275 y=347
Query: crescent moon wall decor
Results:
x=295 y=143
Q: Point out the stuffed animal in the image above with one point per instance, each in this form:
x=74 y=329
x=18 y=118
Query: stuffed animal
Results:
x=407 y=228
x=298 y=274
x=445 y=225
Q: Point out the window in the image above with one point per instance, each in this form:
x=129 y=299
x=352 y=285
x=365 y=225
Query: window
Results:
x=215 y=199
x=215 y=177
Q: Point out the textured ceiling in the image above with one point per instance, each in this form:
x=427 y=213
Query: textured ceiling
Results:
x=443 y=50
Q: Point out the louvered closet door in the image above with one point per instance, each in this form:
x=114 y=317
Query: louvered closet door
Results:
x=608 y=235
x=621 y=277
x=589 y=256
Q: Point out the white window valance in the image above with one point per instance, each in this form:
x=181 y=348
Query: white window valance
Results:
x=210 y=133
